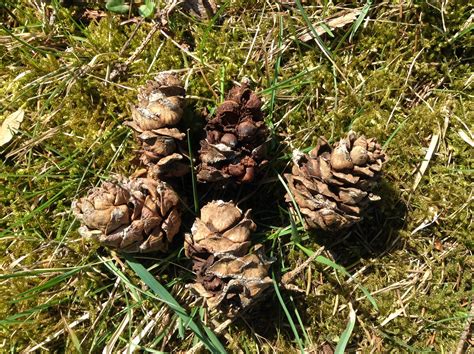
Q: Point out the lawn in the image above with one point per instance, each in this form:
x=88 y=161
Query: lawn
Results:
x=399 y=71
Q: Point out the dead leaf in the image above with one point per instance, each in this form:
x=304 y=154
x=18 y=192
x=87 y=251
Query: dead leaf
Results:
x=10 y=126
x=340 y=19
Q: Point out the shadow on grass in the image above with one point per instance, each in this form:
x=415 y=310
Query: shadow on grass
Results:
x=376 y=235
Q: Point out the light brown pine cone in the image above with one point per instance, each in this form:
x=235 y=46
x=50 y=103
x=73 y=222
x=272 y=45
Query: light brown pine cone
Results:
x=159 y=110
x=130 y=215
x=227 y=276
x=332 y=186
x=160 y=104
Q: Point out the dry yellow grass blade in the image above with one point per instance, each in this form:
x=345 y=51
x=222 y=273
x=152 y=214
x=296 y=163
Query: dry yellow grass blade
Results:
x=424 y=165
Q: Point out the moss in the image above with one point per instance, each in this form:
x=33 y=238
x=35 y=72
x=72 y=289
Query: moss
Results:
x=404 y=72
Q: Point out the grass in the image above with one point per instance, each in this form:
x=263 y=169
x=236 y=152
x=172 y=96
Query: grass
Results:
x=400 y=72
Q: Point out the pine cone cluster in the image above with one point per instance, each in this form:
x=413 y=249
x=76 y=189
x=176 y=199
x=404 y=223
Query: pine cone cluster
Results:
x=234 y=147
x=227 y=276
x=154 y=119
x=332 y=186
x=131 y=215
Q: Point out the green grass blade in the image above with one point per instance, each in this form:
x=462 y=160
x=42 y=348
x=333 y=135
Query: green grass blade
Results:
x=47 y=285
x=316 y=37
x=292 y=198
x=288 y=81
x=288 y=316
x=208 y=338
x=39 y=271
x=15 y=318
x=342 y=270
x=300 y=321
x=395 y=132
x=360 y=19
x=346 y=335
x=402 y=344
x=193 y=176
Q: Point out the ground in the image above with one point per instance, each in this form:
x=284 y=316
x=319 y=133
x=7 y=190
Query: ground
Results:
x=399 y=71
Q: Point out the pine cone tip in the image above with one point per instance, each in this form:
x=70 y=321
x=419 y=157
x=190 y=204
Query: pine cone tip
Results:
x=160 y=104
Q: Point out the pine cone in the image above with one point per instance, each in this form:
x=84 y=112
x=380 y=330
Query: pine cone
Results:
x=228 y=278
x=131 y=215
x=160 y=108
x=234 y=148
x=332 y=186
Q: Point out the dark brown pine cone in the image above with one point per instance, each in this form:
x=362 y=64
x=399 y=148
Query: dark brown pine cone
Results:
x=332 y=186
x=130 y=215
x=227 y=276
x=159 y=110
x=234 y=148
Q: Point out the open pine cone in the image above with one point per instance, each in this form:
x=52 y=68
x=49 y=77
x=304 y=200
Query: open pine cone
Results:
x=131 y=215
x=227 y=277
x=234 y=148
x=159 y=110
x=333 y=185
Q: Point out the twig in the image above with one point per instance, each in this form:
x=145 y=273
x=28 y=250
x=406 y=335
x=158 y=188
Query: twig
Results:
x=120 y=68
x=163 y=15
x=466 y=331
x=290 y=276
x=127 y=43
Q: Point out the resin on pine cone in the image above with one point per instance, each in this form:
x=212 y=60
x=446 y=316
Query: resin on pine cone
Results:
x=234 y=148
x=332 y=186
x=159 y=110
x=130 y=215
x=227 y=276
